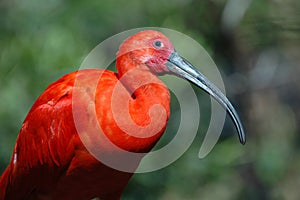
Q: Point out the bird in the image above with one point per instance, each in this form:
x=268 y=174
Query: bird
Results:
x=51 y=158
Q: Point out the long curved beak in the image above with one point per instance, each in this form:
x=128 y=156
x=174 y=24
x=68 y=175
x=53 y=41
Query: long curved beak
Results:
x=186 y=70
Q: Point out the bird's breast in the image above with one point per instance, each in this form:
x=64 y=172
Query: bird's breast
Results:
x=109 y=114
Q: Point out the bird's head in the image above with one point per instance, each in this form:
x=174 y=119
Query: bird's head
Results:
x=149 y=48
x=155 y=51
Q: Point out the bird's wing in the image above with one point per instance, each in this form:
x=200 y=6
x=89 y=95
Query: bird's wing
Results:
x=46 y=143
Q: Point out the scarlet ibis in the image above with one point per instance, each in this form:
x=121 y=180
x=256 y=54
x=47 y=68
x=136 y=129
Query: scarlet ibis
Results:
x=49 y=159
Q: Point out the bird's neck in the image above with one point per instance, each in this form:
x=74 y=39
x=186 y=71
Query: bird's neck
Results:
x=138 y=79
x=148 y=105
x=132 y=74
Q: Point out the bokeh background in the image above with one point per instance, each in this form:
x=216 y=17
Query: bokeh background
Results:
x=255 y=44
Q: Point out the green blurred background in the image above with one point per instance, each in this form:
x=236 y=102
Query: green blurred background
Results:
x=255 y=44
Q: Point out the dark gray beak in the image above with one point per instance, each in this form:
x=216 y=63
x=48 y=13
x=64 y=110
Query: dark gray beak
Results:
x=186 y=70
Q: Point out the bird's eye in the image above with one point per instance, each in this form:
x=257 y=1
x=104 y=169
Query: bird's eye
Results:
x=158 y=44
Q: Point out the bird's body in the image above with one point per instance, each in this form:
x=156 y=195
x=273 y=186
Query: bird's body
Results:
x=50 y=160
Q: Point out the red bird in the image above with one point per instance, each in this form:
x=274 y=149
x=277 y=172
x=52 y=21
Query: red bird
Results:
x=52 y=159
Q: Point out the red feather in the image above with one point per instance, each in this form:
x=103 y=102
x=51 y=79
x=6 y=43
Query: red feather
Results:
x=50 y=160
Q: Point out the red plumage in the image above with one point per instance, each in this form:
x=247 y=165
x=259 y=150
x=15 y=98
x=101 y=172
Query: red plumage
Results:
x=55 y=152
x=49 y=158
